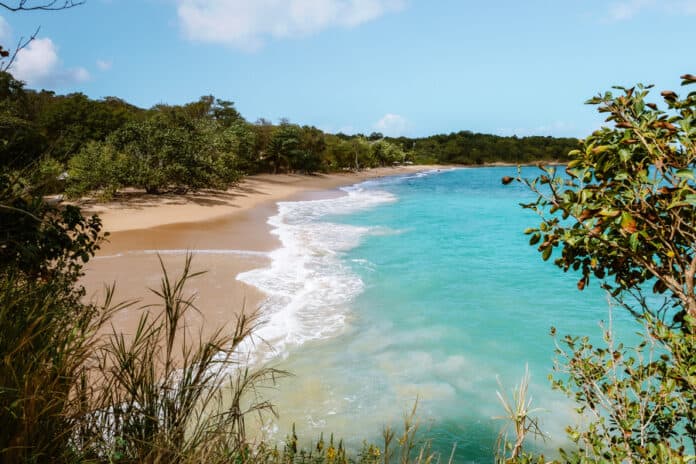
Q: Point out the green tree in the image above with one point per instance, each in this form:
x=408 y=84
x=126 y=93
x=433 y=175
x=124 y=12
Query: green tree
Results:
x=243 y=139
x=21 y=141
x=624 y=213
x=169 y=150
x=630 y=193
x=224 y=112
x=313 y=146
x=97 y=167
x=284 y=149
x=71 y=121
x=386 y=153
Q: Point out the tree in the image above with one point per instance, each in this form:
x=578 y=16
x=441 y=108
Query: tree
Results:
x=71 y=121
x=630 y=193
x=313 y=145
x=243 y=140
x=225 y=113
x=284 y=150
x=21 y=141
x=625 y=214
x=386 y=153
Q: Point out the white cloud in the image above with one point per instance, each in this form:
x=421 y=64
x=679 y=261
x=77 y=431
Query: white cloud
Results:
x=78 y=74
x=246 y=24
x=38 y=65
x=37 y=61
x=627 y=9
x=104 y=65
x=392 y=125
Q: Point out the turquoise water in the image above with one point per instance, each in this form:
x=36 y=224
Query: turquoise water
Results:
x=424 y=287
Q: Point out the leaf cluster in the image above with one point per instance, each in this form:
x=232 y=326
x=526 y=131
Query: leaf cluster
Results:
x=624 y=211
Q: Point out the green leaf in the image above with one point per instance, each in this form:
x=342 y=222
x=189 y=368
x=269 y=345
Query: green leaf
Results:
x=576 y=162
x=686 y=174
x=628 y=223
x=633 y=241
x=546 y=254
x=638 y=106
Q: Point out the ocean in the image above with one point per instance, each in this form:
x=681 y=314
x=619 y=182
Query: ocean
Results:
x=420 y=288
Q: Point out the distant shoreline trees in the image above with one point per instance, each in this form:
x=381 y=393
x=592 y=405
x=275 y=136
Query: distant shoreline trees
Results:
x=107 y=144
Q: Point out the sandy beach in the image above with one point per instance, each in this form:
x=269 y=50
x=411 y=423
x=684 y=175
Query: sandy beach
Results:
x=226 y=232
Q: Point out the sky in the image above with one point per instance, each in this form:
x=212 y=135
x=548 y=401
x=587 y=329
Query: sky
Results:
x=400 y=67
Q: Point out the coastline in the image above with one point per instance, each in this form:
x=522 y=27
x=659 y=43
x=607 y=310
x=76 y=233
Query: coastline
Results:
x=227 y=232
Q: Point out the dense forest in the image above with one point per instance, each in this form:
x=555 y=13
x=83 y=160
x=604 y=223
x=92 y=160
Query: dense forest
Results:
x=77 y=144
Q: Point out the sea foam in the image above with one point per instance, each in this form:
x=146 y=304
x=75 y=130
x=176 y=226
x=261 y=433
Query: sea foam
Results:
x=308 y=287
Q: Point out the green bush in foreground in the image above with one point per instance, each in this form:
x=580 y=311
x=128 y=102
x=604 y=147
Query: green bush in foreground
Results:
x=45 y=331
x=625 y=213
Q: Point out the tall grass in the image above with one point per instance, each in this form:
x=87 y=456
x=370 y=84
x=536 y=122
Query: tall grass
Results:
x=45 y=345
x=68 y=394
x=161 y=392
x=164 y=394
x=519 y=415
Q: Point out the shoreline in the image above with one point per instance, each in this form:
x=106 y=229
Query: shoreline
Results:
x=227 y=232
x=136 y=210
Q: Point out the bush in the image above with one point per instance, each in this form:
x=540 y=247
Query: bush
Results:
x=625 y=214
x=97 y=167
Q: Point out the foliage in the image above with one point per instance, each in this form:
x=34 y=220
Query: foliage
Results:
x=39 y=240
x=208 y=144
x=97 y=167
x=71 y=121
x=466 y=147
x=630 y=193
x=156 y=154
x=67 y=394
x=400 y=446
x=162 y=391
x=21 y=141
x=639 y=403
x=624 y=213
x=45 y=331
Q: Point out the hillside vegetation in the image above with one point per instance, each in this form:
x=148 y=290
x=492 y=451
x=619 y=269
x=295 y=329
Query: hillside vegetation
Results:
x=107 y=144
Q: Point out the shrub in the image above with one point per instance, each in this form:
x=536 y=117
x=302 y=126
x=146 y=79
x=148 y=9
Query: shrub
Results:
x=625 y=214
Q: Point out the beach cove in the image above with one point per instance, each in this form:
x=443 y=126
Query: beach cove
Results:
x=227 y=232
x=405 y=284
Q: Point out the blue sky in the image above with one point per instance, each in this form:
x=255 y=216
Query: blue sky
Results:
x=402 y=67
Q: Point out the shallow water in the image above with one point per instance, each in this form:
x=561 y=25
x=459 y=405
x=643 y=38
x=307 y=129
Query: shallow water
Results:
x=420 y=286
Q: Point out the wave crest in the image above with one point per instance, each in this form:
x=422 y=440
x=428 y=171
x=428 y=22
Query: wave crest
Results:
x=309 y=288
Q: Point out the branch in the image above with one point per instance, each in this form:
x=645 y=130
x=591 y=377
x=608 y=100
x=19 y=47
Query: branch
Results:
x=21 y=44
x=52 y=5
x=670 y=282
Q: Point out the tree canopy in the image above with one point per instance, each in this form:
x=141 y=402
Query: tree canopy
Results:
x=630 y=196
x=108 y=143
x=624 y=212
